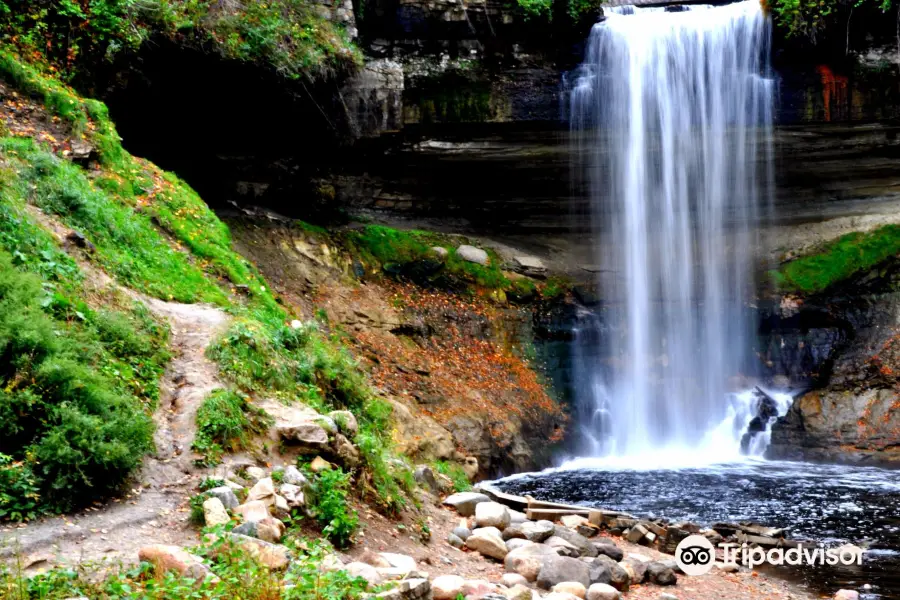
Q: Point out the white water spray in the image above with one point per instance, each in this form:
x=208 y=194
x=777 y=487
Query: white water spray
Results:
x=673 y=114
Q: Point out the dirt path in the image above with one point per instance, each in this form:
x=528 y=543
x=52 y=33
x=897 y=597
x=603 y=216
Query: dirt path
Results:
x=155 y=510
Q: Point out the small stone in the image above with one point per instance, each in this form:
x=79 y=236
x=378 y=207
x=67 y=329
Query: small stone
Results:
x=517 y=517
x=487 y=540
x=367 y=572
x=174 y=558
x=608 y=548
x=225 y=495
x=846 y=595
x=472 y=254
x=455 y=541
x=477 y=588
x=512 y=580
x=519 y=591
x=272 y=556
x=465 y=502
x=442 y=253
x=263 y=491
x=293 y=476
x=492 y=514
x=254 y=474
x=570 y=587
x=562 y=547
x=447 y=587
x=214 y=512
x=293 y=495
x=252 y=511
x=573 y=521
x=374 y=559
x=399 y=561
x=529 y=264
x=462 y=533
x=661 y=574
x=516 y=543
x=667 y=597
x=270 y=529
x=636 y=533
x=603 y=591
x=319 y=464
x=470 y=467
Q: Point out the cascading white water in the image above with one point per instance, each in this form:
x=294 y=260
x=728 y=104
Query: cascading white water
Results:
x=672 y=112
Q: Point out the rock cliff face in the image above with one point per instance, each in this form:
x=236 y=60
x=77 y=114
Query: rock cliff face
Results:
x=850 y=357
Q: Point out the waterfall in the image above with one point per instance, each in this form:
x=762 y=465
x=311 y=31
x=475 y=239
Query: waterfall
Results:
x=671 y=114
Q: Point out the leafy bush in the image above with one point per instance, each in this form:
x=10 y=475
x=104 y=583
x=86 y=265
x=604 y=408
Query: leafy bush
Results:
x=225 y=423
x=19 y=495
x=809 y=17
x=329 y=506
x=79 y=433
x=287 y=36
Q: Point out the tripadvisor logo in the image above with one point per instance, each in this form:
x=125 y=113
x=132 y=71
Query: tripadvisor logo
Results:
x=695 y=555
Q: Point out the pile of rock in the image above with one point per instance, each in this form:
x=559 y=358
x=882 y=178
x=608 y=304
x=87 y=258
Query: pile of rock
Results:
x=302 y=430
x=559 y=558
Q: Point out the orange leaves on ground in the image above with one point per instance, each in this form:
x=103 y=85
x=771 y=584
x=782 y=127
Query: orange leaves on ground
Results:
x=456 y=366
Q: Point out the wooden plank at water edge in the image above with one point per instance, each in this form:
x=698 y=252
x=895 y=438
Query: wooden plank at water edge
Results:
x=553 y=514
x=532 y=503
x=511 y=500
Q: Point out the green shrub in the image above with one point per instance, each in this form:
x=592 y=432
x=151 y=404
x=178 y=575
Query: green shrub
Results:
x=329 y=505
x=838 y=260
x=79 y=433
x=225 y=423
x=19 y=495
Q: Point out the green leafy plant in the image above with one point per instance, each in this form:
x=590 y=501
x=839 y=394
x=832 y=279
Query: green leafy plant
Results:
x=330 y=506
x=19 y=494
x=226 y=422
x=456 y=474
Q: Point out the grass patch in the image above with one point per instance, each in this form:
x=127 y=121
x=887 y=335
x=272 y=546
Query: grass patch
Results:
x=456 y=474
x=226 y=422
x=839 y=260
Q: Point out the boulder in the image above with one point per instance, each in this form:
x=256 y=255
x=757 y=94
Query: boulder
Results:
x=293 y=476
x=442 y=253
x=455 y=541
x=472 y=254
x=570 y=587
x=254 y=473
x=225 y=495
x=310 y=437
x=527 y=561
x=487 y=540
x=420 y=436
x=462 y=532
x=281 y=509
x=846 y=595
x=636 y=568
x=558 y=569
x=293 y=495
x=560 y=596
x=367 y=572
x=599 y=572
x=470 y=467
x=319 y=464
x=602 y=591
x=271 y=556
x=619 y=578
x=263 y=491
x=398 y=561
x=478 y=588
x=537 y=532
x=346 y=451
x=270 y=529
x=665 y=596
x=408 y=589
x=584 y=545
x=465 y=502
x=345 y=421
x=174 y=558
x=516 y=543
x=573 y=521
x=609 y=548
x=516 y=517
x=562 y=547
x=529 y=265
x=252 y=511
x=491 y=514
x=661 y=574
x=248 y=529
x=447 y=587
x=636 y=533
x=214 y=512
